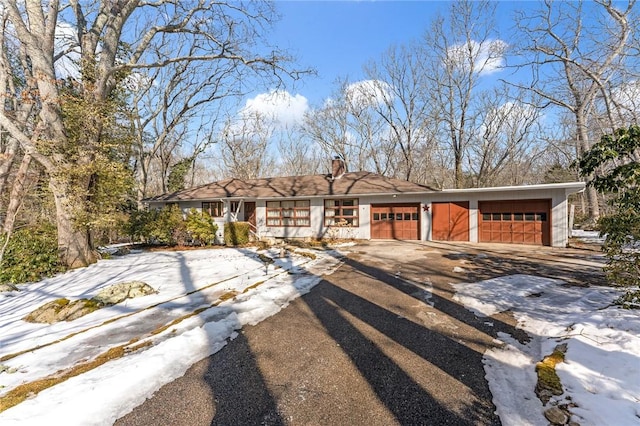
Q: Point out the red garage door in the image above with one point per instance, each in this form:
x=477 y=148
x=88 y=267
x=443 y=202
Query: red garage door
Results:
x=450 y=221
x=395 y=221
x=517 y=222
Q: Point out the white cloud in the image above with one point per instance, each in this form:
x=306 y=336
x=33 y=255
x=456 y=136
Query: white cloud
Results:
x=137 y=81
x=487 y=57
x=66 y=43
x=627 y=96
x=368 y=93
x=278 y=105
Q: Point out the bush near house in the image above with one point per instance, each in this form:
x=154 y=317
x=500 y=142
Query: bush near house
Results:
x=236 y=233
x=201 y=227
x=164 y=226
x=167 y=226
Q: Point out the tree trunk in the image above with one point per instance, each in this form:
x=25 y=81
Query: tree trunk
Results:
x=459 y=180
x=7 y=163
x=590 y=192
x=17 y=195
x=74 y=244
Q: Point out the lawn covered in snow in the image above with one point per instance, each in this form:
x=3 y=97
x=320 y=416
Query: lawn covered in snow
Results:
x=187 y=282
x=601 y=373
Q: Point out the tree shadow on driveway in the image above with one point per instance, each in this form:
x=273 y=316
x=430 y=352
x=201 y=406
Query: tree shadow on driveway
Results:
x=364 y=347
x=416 y=381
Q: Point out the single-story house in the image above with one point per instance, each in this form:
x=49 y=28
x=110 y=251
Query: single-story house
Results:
x=363 y=205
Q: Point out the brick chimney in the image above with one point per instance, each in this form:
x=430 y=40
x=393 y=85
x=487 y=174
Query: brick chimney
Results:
x=338 y=168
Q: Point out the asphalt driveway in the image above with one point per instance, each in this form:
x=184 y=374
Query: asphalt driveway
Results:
x=378 y=342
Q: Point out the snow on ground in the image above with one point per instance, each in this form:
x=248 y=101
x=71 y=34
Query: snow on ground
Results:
x=589 y=237
x=601 y=372
x=186 y=282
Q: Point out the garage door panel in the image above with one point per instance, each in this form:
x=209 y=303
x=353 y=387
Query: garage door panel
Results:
x=519 y=221
x=395 y=221
x=450 y=221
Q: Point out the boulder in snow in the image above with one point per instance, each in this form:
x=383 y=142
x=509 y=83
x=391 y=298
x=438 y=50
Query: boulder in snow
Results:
x=119 y=292
x=62 y=310
x=66 y=310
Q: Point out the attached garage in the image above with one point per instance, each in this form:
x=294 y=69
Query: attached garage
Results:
x=516 y=221
x=450 y=221
x=395 y=221
x=364 y=205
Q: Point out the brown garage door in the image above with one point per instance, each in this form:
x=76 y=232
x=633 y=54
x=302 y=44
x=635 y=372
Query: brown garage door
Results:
x=517 y=222
x=450 y=221
x=395 y=221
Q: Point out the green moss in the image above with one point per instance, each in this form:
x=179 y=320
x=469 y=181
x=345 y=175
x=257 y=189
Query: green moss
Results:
x=629 y=300
x=546 y=369
x=92 y=304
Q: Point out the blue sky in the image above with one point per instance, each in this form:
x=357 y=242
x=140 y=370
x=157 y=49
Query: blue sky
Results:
x=338 y=37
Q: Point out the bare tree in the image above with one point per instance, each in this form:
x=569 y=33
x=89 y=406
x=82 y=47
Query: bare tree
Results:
x=460 y=49
x=245 y=146
x=328 y=127
x=10 y=151
x=509 y=135
x=574 y=60
x=348 y=126
x=168 y=103
x=374 y=124
x=404 y=107
x=296 y=157
x=110 y=39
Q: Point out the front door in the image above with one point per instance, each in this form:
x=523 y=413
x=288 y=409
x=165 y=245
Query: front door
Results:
x=250 y=213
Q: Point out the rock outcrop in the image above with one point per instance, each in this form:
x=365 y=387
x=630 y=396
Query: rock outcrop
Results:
x=65 y=310
x=117 y=293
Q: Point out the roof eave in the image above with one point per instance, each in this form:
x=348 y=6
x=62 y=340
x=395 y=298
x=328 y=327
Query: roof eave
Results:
x=569 y=186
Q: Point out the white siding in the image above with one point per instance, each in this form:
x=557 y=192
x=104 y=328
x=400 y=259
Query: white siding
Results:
x=558 y=196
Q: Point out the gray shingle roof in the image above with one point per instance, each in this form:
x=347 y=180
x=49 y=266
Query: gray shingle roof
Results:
x=356 y=183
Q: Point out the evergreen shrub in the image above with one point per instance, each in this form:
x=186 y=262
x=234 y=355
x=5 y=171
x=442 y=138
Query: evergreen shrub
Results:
x=236 y=233
x=164 y=226
x=32 y=254
x=201 y=227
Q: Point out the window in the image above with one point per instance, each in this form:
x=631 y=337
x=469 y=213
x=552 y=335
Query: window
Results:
x=288 y=213
x=233 y=206
x=517 y=217
x=214 y=208
x=342 y=212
